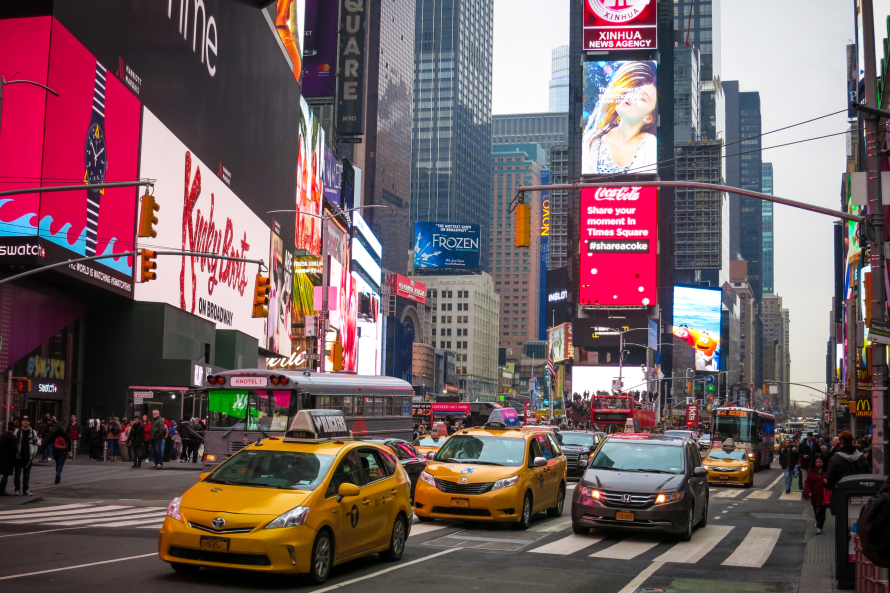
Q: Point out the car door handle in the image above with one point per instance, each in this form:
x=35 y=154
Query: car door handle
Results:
x=546 y=469
x=366 y=502
x=393 y=492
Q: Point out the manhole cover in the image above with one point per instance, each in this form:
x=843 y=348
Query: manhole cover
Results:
x=487 y=540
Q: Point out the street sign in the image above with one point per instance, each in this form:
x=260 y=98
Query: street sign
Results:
x=879 y=332
x=691 y=415
x=143 y=394
x=137 y=401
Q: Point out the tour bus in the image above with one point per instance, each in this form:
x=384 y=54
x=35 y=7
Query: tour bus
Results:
x=612 y=412
x=247 y=405
x=749 y=429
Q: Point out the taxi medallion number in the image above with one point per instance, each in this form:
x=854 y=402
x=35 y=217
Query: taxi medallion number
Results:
x=217 y=544
x=624 y=516
x=460 y=502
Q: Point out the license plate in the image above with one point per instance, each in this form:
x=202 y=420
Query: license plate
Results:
x=460 y=502
x=624 y=516
x=217 y=544
x=723 y=477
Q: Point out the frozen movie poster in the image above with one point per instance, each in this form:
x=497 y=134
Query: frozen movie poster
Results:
x=446 y=245
x=697 y=322
x=620 y=118
x=310 y=167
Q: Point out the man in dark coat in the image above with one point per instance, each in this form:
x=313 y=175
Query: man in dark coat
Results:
x=847 y=461
x=26 y=449
x=807 y=451
x=7 y=457
x=137 y=441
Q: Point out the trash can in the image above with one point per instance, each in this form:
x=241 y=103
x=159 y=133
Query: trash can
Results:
x=848 y=498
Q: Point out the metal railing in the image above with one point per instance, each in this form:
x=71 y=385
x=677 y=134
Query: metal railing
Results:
x=869 y=578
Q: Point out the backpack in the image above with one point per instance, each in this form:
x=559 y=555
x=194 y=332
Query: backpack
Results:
x=114 y=429
x=60 y=443
x=873 y=527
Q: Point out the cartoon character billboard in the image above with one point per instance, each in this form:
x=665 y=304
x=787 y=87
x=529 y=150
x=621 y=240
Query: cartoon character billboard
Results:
x=697 y=322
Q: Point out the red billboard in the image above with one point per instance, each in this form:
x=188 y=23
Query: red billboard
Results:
x=407 y=287
x=620 y=25
x=691 y=415
x=619 y=244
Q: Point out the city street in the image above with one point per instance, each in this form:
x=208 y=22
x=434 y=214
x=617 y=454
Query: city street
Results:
x=103 y=520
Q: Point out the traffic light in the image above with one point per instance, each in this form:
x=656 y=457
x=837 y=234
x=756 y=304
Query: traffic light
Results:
x=21 y=385
x=261 y=296
x=337 y=356
x=711 y=386
x=523 y=225
x=147 y=218
x=149 y=264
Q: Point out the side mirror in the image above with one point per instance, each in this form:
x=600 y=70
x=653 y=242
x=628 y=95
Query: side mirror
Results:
x=430 y=455
x=540 y=462
x=699 y=472
x=591 y=448
x=202 y=476
x=347 y=490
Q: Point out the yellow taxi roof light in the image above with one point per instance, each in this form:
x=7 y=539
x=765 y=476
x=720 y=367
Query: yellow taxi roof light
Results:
x=317 y=426
x=503 y=418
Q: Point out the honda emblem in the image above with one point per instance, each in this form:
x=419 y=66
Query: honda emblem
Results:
x=625 y=498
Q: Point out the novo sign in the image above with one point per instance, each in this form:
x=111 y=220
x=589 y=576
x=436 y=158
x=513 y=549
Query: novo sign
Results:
x=351 y=68
x=611 y=25
x=618 y=246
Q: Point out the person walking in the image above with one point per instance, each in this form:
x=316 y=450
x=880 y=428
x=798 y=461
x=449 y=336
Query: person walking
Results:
x=44 y=429
x=847 y=461
x=112 y=435
x=158 y=433
x=26 y=448
x=59 y=441
x=74 y=435
x=136 y=441
x=146 y=427
x=94 y=438
x=788 y=461
x=815 y=491
x=807 y=452
x=7 y=456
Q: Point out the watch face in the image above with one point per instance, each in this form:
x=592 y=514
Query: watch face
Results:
x=94 y=154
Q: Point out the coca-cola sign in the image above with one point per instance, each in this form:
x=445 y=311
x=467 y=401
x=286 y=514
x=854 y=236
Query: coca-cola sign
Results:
x=619 y=227
x=200 y=213
x=620 y=24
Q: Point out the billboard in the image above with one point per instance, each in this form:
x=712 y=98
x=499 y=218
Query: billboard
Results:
x=288 y=18
x=332 y=178
x=407 y=287
x=278 y=324
x=351 y=77
x=556 y=296
x=369 y=328
x=307 y=275
x=619 y=117
x=599 y=378
x=560 y=342
x=446 y=245
x=201 y=214
x=619 y=245
x=310 y=167
x=320 y=49
x=697 y=322
x=611 y=25
x=603 y=328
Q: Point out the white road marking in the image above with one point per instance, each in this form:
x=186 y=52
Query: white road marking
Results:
x=638 y=580
x=552 y=525
x=380 y=572
x=776 y=481
x=728 y=494
x=158 y=526
x=703 y=541
x=627 y=549
x=724 y=512
x=135 y=521
x=52 y=516
x=30 y=574
x=759 y=494
x=4 y=514
x=569 y=545
x=792 y=495
x=755 y=548
x=36 y=532
x=421 y=528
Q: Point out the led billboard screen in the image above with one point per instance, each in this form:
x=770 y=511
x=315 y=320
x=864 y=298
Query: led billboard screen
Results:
x=697 y=322
x=618 y=246
x=288 y=17
x=599 y=378
x=310 y=168
x=620 y=118
x=620 y=24
x=278 y=324
x=446 y=245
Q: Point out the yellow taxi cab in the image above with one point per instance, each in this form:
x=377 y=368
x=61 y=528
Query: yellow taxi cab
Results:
x=729 y=465
x=500 y=472
x=778 y=443
x=428 y=442
x=301 y=504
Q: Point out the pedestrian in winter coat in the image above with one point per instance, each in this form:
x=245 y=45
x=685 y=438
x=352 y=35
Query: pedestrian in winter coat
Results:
x=847 y=461
x=814 y=490
x=73 y=433
x=136 y=440
x=158 y=433
x=95 y=436
x=26 y=448
x=788 y=460
x=44 y=429
x=59 y=441
x=112 y=435
x=7 y=457
x=807 y=451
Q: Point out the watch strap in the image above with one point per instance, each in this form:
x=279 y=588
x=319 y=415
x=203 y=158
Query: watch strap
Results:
x=99 y=91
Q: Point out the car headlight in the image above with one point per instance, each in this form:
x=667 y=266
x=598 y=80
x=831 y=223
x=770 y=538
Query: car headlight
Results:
x=662 y=498
x=590 y=492
x=292 y=518
x=583 y=458
x=745 y=468
x=505 y=483
x=173 y=509
x=751 y=456
x=429 y=479
x=708 y=467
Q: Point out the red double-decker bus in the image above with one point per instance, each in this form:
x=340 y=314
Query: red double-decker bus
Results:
x=611 y=412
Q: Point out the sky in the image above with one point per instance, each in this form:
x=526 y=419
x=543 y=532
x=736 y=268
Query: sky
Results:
x=793 y=53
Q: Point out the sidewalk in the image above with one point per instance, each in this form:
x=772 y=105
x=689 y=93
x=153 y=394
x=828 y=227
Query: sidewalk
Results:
x=83 y=459
x=817 y=573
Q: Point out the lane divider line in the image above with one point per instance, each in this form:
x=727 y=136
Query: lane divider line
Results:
x=380 y=572
x=31 y=574
x=638 y=580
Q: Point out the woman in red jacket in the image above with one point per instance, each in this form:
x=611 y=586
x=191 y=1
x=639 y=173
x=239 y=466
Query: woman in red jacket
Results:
x=815 y=491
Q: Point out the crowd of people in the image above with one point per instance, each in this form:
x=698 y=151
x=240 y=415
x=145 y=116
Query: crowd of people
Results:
x=143 y=439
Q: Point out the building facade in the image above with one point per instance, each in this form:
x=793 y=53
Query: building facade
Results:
x=768 y=261
x=698 y=214
x=559 y=79
x=697 y=25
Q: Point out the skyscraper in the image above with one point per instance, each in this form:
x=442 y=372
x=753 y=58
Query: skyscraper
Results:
x=559 y=79
x=768 y=266
x=450 y=177
x=697 y=22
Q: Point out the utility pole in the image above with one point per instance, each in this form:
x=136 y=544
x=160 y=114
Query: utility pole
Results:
x=851 y=358
x=876 y=256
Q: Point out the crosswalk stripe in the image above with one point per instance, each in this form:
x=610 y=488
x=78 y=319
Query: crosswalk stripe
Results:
x=759 y=494
x=569 y=545
x=728 y=494
x=98 y=517
x=421 y=528
x=703 y=541
x=755 y=548
x=4 y=514
x=552 y=525
x=139 y=521
x=791 y=496
x=628 y=548
x=50 y=516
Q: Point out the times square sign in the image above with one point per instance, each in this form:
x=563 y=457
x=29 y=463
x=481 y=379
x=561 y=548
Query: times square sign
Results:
x=611 y=25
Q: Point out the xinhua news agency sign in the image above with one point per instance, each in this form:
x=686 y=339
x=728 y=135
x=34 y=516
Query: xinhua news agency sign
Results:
x=614 y=25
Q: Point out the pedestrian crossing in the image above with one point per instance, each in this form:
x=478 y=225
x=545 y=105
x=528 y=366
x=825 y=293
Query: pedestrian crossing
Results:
x=747 y=494
x=87 y=515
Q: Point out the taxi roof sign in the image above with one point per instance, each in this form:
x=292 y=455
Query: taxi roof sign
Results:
x=315 y=426
x=503 y=418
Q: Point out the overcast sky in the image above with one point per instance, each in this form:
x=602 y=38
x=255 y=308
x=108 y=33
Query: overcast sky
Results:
x=793 y=53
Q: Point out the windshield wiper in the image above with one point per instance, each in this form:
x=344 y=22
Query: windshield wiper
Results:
x=653 y=471
x=477 y=462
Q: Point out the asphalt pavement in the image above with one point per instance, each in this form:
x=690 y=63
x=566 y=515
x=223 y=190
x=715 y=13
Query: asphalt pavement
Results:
x=103 y=518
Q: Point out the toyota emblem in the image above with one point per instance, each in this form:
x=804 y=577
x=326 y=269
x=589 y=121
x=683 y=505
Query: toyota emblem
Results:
x=625 y=498
x=218 y=523
x=463 y=480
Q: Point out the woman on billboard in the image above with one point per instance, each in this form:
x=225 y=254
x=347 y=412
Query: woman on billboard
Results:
x=620 y=136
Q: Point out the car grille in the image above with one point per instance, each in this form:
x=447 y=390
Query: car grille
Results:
x=219 y=531
x=221 y=557
x=725 y=469
x=572 y=457
x=638 y=501
x=463 y=512
x=455 y=488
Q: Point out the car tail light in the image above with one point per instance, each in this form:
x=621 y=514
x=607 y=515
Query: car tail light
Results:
x=274 y=380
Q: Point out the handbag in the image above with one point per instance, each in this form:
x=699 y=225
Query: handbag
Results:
x=826 y=500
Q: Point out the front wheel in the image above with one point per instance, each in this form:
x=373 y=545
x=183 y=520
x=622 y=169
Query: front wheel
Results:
x=580 y=529
x=704 y=516
x=560 y=499
x=396 y=541
x=184 y=568
x=322 y=556
x=526 y=518
x=690 y=525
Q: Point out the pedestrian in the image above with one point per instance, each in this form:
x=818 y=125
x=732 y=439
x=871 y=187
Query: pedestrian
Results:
x=806 y=453
x=44 y=429
x=73 y=434
x=146 y=426
x=158 y=433
x=59 y=441
x=834 y=448
x=186 y=434
x=136 y=441
x=177 y=441
x=788 y=462
x=122 y=439
x=7 y=456
x=847 y=461
x=26 y=448
x=112 y=435
x=94 y=437
x=816 y=492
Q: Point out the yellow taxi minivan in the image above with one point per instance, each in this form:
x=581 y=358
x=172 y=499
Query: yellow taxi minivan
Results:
x=500 y=473
x=301 y=504
x=729 y=465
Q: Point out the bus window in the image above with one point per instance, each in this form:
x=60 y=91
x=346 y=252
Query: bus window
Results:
x=271 y=412
x=227 y=408
x=406 y=406
x=738 y=428
x=348 y=408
